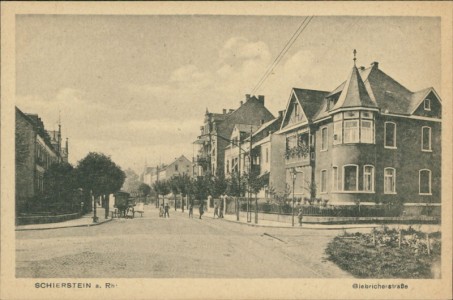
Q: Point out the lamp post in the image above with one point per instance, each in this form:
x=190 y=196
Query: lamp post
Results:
x=294 y=176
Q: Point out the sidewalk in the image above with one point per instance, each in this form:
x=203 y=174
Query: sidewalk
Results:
x=275 y=224
x=85 y=221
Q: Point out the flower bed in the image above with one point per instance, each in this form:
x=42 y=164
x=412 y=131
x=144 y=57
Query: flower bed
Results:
x=383 y=255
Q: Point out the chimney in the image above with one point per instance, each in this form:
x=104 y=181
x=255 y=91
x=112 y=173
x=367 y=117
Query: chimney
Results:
x=67 y=147
x=362 y=68
x=224 y=111
x=280 y=113
x=262 y=121
x=247 y=97
x=261 y=99
x=231 y=110
x=375 y=64
x=242 y=102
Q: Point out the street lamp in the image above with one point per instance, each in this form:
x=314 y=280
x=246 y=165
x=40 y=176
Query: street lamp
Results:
x=293 y=172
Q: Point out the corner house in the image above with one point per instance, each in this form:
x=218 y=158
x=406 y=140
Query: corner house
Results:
x=369 y=141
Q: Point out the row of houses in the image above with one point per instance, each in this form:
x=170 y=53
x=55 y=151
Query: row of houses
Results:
x=369 y=140
x=179 y=166
x=36 y=149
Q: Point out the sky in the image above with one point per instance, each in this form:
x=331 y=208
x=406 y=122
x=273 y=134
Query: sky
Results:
x=136 y=87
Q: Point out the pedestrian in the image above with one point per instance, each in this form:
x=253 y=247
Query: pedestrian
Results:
x=167 y=210
x=222 y=205
x=161 y=210
x=216 y=211
x=300 y=215
x=191 y=210
x=201 y=208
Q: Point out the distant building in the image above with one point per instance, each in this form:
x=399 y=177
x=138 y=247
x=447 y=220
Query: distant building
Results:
x=217 y=129
x=36 y=150
x=179 y=166
x=370 y=140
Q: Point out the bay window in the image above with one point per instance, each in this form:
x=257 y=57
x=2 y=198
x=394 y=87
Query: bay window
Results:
x=353 y=127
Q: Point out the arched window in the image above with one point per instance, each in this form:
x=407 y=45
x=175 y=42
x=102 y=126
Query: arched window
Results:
x=424 y=182
x=323 y=181
x=389 y=181
x=426 y=138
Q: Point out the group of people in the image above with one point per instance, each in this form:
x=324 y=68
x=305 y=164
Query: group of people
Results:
x=164 y=211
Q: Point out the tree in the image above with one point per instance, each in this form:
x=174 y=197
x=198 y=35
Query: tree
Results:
x=173 y=185
x=218 y=185
x=132 y=182
x=144 y=190
x=184 y=187
x=59 y=183
x=98 y=174
x=161 y=187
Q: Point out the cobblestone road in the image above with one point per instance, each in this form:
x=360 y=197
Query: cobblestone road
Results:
x=152 y=247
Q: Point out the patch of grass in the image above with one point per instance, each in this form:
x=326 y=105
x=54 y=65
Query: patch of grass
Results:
x=381 y=257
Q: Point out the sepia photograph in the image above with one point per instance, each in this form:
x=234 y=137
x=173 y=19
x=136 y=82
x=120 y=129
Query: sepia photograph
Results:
x=296 y=148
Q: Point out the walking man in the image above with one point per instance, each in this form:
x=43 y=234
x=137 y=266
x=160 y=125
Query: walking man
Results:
x=300 y=215
x=222 y=204
x=167 y=210
x=201 y=208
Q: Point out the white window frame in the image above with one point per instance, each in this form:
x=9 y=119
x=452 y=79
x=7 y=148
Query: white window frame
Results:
x=394 y=136
x=324 y=191
x=324 y=146
x=394 y=181
x=357 y=128
x=371 y=141
x=356 y=179
x=372 y=178
x=419 y=182
x=335 y=178
x=430 y=148
x=427 y=107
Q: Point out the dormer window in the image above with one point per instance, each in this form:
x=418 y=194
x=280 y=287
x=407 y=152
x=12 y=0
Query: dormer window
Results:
x=427 y=104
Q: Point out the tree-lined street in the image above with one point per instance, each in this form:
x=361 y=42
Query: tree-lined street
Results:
x=176 y=247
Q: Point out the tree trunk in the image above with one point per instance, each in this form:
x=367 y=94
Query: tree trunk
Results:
x=175 y=201
x=107 y=205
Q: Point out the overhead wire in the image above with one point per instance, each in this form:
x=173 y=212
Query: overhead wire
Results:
x=285 y=49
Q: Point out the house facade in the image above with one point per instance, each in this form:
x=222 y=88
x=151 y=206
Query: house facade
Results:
x=179 y=166
x=217 y=129
x=369 y=141
x=34 y=155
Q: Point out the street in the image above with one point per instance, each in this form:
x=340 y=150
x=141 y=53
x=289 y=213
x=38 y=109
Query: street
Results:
x=153 y=247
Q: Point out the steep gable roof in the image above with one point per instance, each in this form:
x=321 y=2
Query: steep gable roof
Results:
x=309 y=100
x=354 y=93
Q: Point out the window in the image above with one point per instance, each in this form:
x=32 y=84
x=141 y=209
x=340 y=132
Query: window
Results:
x=426 y=138
x=176 y=168
x=351 y=131
x=337 y=132
x=324 y=139
x=424 y=181
x=323 y=181
x=228 y=166
x=267 y=155
x=390 y=135
x=296 y=110
x=367 y=134
x=389 y=181
x=368 y=178
x=335 y=178
x=350 y=178
x=427 y=104
x=291 y=142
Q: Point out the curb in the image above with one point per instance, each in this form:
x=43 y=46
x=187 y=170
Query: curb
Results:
x=296 y=227
x=60 y=227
